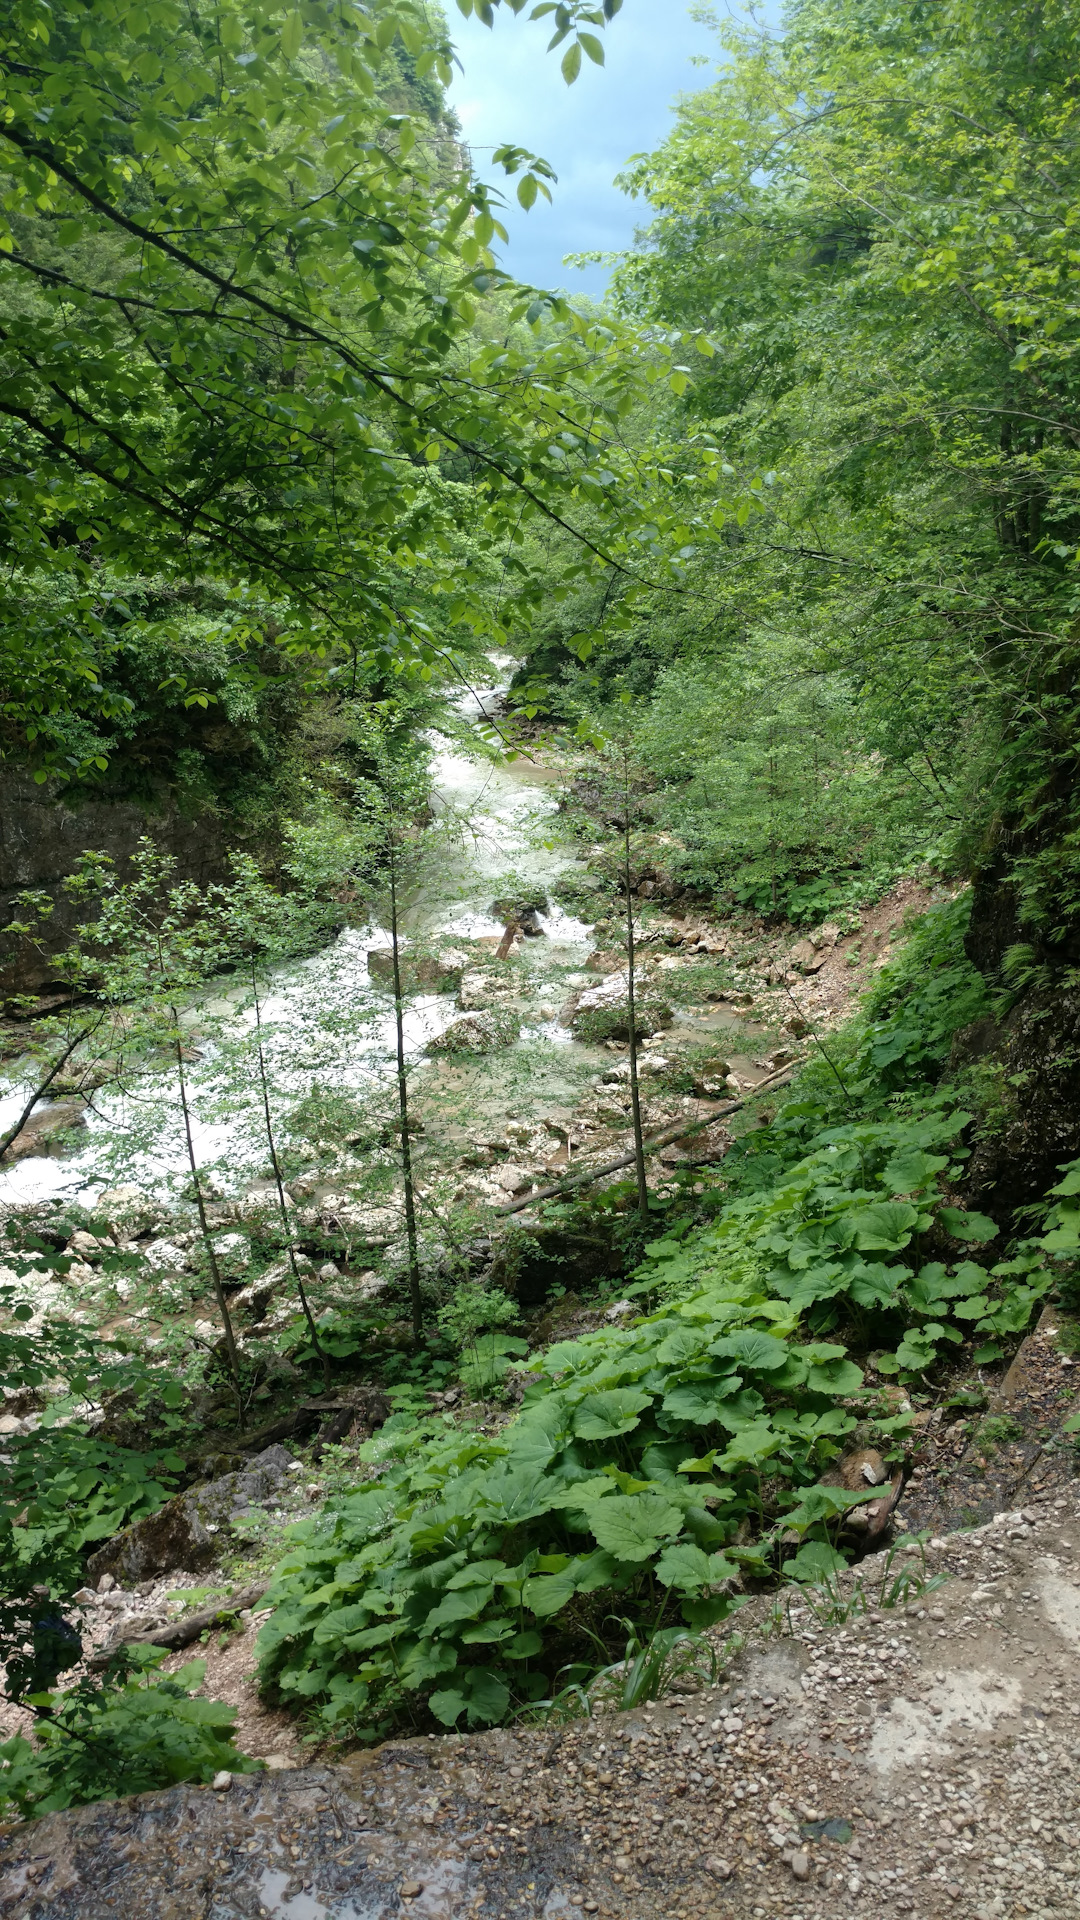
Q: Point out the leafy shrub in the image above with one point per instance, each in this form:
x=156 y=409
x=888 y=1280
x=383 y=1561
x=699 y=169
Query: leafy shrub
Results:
x=130 y=1732
x=61 y=1490
x=925 y=996
x=846 y=1231
x=467 y=1574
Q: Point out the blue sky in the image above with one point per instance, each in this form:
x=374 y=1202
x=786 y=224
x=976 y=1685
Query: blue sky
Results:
x=511 y=90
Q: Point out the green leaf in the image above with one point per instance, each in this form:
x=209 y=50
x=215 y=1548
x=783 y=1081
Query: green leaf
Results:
x=967 y=1226
x=527 y=189
x=292 y=34
x=760 y=1351
x=884 y=1228
x=820 y=1503
x=689 y=1569
x=815 y=1561
x=834 y=1377
x=447 y=1705
x=701 y=1404
x=603 y=1415
x=911 y=1169
x=593 y=47
x=753 y=1443
x=489 y=1697
x=571 y=63
x=631 y=1526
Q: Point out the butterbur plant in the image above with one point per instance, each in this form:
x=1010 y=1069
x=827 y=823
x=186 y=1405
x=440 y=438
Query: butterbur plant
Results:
x=462 y=1582
x=849 y=1232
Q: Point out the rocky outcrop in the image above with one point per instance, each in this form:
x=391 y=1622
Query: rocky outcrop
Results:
x=477 y=1033
x=42 y=837
x=185 y=1532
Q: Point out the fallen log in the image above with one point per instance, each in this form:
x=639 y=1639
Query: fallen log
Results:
x=182 y=1631
x=680 y=1130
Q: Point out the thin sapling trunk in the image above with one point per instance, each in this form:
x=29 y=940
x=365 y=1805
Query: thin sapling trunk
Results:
x=219 y=1290
x=635 y=1090
x=415 y=1299
x=272 y=1144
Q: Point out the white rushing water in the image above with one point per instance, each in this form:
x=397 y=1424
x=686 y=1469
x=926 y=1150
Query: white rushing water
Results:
x=326 y=1027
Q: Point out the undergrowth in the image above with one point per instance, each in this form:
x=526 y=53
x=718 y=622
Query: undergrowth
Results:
x=656 y=1468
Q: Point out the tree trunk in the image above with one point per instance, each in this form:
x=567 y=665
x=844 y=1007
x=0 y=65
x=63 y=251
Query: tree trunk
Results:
x=272 y=1144
x=219 y=1290
x=635 y=1091
x=415 y=1299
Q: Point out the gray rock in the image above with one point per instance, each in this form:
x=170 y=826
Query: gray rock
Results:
x=184 y=1534
x=420 y=972
x=800 y=1865
x=476 y=1033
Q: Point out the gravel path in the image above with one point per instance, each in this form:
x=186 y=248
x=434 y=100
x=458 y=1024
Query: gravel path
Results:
x=915 y=1761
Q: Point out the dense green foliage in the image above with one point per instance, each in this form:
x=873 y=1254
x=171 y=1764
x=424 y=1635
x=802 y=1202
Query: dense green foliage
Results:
x=279 y=438
x=873 y=211
x=132 y=1731
x=260 y=372
x=472 y=1572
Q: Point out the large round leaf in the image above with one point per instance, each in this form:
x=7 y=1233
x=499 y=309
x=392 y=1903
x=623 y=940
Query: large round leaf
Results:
x=603 y=1415
x=762 y=1351
x=632 y=1525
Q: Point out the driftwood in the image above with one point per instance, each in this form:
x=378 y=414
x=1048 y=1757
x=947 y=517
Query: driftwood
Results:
x=180 y=1632
x=681 y=1130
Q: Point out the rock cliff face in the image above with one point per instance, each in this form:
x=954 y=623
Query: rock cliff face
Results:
x=40 y=841
x=1035 y=1050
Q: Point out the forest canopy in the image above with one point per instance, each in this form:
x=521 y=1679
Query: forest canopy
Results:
x=270 y=409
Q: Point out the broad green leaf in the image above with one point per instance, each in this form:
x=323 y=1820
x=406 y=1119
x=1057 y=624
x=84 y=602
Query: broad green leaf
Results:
x=603 y=1415
x=826 y=1503
x=884 y=1228
x=911 y=1169
x=448 y=1705
x=752 y=1443
x=760 y=1351
x=688 y=1568
x=967 y=1226
x=489 y=1696
x=631 y=1526
x=835 y=1377
x=701 y=1404
x=815 y=1561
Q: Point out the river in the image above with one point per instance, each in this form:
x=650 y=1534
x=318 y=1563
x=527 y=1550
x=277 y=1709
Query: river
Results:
x=328 y=1029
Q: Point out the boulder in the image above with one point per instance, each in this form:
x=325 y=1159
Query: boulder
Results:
x=481 y=991
x=46 y=1132
x=609 y=1019
x=522 y=910
x=476 y=1033
x=806 y=958
x=185 y=1534
x=420 y=972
